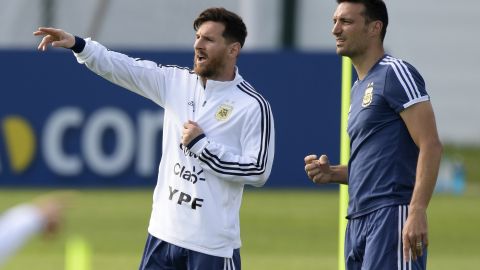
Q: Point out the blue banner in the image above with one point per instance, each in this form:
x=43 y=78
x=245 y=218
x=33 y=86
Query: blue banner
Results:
x=63 y=126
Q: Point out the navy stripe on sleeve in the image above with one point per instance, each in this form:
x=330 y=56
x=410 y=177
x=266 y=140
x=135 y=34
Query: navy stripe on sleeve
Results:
x=242 y=169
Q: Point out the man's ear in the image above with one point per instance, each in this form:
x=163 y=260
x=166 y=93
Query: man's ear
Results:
x=234 y=49
x=376 y=27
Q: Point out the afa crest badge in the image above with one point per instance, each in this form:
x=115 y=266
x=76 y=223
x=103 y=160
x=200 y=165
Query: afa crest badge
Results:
x=368 y=96
x=224 y=111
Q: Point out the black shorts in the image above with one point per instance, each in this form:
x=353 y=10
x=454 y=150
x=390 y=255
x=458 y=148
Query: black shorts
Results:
x=161 y=255
x=374 y=241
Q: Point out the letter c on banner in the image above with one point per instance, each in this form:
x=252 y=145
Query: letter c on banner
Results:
x=98 y=123
x=52 y=141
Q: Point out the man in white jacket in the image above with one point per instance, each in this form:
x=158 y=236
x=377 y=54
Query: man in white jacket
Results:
x=218 y=135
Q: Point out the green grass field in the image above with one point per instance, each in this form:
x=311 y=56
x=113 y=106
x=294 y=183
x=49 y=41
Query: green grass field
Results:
x=281 y=230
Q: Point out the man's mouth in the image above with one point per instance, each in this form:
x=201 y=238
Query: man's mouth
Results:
x=201 y=58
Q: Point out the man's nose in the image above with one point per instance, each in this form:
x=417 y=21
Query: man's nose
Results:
x=336 y=29
x=198 y=44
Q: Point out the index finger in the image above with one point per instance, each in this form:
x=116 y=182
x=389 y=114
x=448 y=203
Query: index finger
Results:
x=47 y=31
x=406 y=249
x=308 y=159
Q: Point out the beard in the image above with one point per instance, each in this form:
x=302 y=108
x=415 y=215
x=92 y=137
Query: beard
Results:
x=352 y=52
x=210 y=68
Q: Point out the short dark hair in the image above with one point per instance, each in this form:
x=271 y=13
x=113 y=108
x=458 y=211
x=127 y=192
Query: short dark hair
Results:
x=235 y=29
x=374 y=10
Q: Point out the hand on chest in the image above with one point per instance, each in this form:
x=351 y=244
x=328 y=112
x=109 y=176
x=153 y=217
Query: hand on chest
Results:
x=219 y=117
x=218 y=110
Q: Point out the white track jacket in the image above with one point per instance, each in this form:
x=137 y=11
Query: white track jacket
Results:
x=197 y=198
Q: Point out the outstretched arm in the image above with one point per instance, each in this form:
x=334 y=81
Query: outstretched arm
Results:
x=143 y=77
x=19 y=223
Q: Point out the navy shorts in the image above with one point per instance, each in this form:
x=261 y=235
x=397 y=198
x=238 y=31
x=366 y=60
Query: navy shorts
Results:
x=161 y=255
x=374 y=241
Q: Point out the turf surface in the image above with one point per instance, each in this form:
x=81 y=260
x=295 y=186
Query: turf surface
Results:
x=281 y=230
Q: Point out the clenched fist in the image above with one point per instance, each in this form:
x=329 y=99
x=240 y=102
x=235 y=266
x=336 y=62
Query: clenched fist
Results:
x=191 y=130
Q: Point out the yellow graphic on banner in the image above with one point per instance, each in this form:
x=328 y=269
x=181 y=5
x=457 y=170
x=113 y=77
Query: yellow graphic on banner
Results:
x=20 y=142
